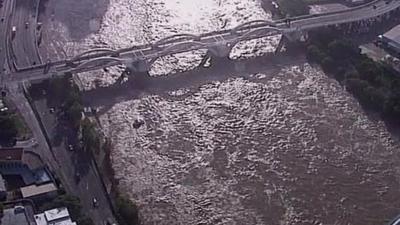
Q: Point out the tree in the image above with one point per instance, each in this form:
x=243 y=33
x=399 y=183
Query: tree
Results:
x=368 y=70
x=128 y=213
x=314 y=53
x=74 y=113
x=342 y=50
x=328 y=64
x=85 y=221
x=1 y=210
x=292 y=8
x=57 y=88
x=8 y=127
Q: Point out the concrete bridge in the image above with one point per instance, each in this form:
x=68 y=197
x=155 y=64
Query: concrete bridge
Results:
x=218 y=44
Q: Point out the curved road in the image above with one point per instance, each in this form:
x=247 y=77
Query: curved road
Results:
x=23 y=45
x=214 y=39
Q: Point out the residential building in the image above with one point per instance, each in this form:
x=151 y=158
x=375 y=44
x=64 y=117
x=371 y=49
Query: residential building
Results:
x=15 y=216
x=59 y=216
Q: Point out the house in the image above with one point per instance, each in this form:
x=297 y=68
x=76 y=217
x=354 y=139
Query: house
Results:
x=14 y=216
x=59 y=216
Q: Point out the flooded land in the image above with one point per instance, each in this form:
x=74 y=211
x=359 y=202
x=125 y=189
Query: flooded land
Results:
x=283 y=145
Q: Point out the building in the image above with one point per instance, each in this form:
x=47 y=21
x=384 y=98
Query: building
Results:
x=59 y=216
x=356 y=2
x=391 y=39
x=40 y=192
x=14 y=216
x=3 y=189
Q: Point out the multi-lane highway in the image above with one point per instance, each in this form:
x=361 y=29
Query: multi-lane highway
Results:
x=19 y=50
x=5 y=15
x=23 y=42
x=212 y=41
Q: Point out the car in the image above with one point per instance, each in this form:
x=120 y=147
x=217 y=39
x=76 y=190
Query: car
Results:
x=95 y=203
x=26 y=25
x=51 y=110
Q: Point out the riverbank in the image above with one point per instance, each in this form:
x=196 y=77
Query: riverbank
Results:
x=374 y=84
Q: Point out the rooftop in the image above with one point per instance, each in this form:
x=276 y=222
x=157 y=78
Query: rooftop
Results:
x=11 y=154
x=33 y=190
x=56 y=214
x=393 y=34
x=14 y=216
x=2 y=184
x=59 y=216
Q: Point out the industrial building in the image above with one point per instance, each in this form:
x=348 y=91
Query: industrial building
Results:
x=391 y=40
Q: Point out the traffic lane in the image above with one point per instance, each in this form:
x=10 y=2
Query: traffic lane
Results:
x=363 y=13
x=5 y=13
x=29 y=117
x=88 y=186
x=24 y=41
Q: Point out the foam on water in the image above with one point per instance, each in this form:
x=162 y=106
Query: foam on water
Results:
x=288 y=147
x=269 y=151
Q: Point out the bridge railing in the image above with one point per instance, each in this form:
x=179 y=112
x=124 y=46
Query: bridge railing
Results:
x=369 y=4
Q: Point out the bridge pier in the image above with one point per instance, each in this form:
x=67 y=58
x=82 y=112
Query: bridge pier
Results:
x=138 y=72
x=219 y=55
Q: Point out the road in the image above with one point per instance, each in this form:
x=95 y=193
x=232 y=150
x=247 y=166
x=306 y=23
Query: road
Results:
x=24 y=46
x=212 y=40
x=23 y=53
x=67 y=163
x=364 y=13
x=89 y=185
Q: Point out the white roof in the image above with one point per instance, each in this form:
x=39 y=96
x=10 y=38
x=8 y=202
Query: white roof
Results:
x=2 y=184
x=59 y=216
x=393 y=34
x=40 y=219
x=33 y=190
x=64 y=222
x=56 y=214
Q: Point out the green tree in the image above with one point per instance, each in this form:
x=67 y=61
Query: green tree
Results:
x=8 y=127
x=90 y=137
x=57 y=88
x=342 y=50
x=128 y=213
x=292 y=8
x=368 y=70
x=1 y=210
x=74 y=113
x=85 y=221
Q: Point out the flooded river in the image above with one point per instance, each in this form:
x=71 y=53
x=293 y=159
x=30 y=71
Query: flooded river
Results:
x=278 y=146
